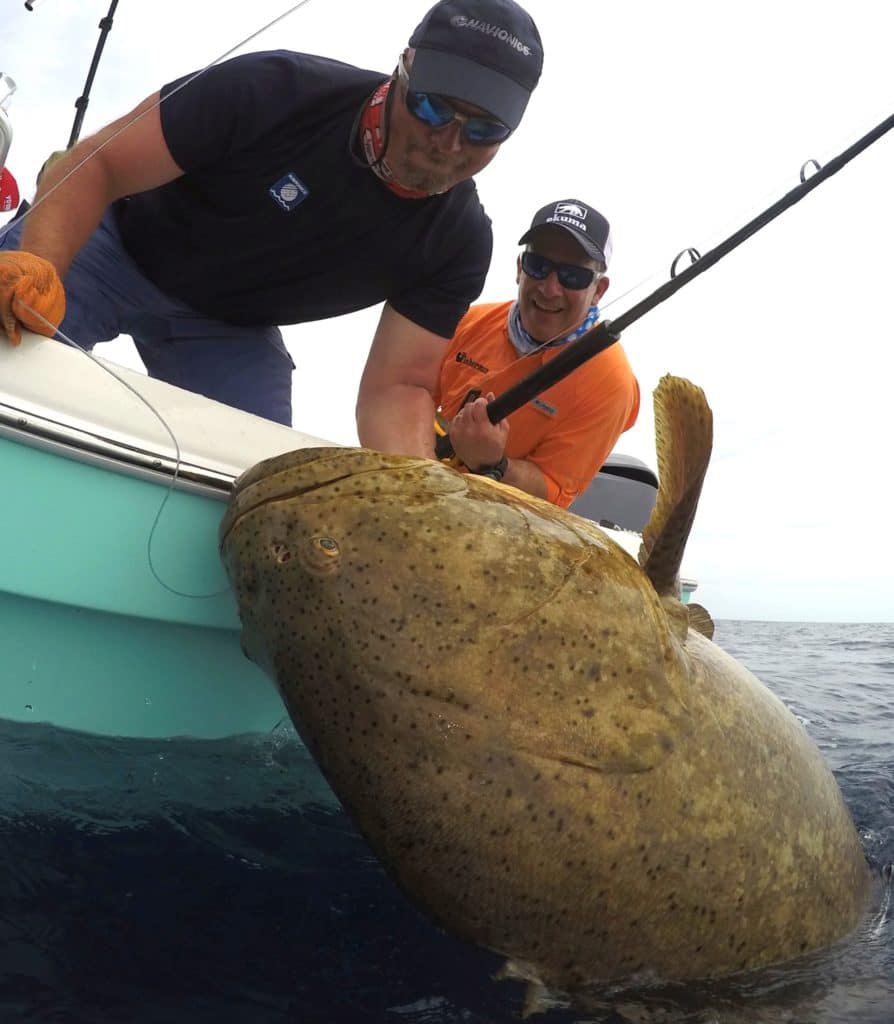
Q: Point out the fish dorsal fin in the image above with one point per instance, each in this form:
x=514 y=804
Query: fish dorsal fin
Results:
x=700 y=620
x=683 y=437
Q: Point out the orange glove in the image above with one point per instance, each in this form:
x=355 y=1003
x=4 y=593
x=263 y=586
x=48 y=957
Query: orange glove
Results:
x=27 y=281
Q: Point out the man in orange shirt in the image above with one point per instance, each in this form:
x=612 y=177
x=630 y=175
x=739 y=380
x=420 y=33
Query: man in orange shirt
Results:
x=555 y=444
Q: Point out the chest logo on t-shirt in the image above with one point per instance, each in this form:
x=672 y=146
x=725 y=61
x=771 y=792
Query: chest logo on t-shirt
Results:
x=289 y=191
x=464 y=357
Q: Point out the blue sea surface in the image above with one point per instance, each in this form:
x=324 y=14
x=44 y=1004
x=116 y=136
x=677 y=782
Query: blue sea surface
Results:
x=184 y=882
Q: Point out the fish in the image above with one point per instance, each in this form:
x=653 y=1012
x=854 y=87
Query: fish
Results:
x=541 y=744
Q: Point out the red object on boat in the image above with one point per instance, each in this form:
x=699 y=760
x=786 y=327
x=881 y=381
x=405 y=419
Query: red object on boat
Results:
x=9 y=191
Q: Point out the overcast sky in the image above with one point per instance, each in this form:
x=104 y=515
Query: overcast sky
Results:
x=680 y=122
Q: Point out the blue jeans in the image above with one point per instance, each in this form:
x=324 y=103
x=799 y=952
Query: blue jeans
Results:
x=107 y=295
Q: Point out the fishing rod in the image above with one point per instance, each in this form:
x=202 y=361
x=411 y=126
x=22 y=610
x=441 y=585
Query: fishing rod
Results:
x=607 y=332
x=105 y=26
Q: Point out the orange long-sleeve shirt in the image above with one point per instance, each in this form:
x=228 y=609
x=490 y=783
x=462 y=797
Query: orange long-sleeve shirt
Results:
x=569 y=429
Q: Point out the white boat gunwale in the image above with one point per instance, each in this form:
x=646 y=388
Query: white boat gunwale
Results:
x=84 y=446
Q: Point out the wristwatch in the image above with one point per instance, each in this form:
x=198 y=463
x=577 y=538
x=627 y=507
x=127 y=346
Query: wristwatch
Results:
x=496 y=472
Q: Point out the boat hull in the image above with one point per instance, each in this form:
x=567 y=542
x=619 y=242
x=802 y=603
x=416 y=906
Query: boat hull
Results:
x=97 y=641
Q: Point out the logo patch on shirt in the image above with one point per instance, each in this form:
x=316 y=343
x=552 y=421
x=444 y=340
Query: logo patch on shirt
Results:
x=464 y=357
x=289 y=191
x=538 y=403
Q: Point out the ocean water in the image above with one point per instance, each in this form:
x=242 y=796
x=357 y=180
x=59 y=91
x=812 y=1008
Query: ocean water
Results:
x=189 y=883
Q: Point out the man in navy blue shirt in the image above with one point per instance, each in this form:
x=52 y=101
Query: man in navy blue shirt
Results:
x=279 y=188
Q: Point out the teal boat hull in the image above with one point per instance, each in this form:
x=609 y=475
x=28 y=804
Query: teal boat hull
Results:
x=95 y=640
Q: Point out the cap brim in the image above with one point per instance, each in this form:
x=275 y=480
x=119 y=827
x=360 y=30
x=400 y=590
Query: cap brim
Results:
x=584 y=241
x=450 y=75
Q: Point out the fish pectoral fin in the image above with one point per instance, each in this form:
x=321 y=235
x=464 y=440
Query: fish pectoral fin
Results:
x=538 y=998
x=617 y=763
x=700 y=620
x=614 y=749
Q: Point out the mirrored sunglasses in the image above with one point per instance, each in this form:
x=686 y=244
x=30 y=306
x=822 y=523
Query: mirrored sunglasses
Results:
x=437 y=112
x=569 y=275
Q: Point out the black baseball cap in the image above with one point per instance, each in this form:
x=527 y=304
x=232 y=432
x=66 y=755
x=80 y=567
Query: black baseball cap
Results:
x=586 y=224
x=484 y=52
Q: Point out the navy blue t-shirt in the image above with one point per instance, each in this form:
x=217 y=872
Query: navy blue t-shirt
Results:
x=273 y=221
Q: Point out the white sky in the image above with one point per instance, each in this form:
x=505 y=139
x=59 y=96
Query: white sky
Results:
x=680 y=122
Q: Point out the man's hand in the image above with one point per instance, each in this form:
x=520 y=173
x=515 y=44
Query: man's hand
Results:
x=29 y=285
x=476 y=441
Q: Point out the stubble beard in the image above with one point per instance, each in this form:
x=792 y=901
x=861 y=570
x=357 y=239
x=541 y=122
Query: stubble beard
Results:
x=413 y=170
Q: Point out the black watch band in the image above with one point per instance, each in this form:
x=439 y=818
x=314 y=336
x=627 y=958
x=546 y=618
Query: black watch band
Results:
x=496 y=472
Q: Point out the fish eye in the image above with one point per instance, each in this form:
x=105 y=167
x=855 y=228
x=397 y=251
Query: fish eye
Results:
x=326 y=545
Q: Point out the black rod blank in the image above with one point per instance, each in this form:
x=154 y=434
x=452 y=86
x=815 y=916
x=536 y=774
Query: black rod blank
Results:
x=607 y=332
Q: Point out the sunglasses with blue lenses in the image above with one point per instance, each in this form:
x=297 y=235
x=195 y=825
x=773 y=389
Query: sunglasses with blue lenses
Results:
x=569 y=275
x=437 y=112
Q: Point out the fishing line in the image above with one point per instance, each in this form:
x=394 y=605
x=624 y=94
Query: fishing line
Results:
x=177 y=463
x=73 y=344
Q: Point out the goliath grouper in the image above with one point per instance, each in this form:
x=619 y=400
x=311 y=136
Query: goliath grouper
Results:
x=535 y=736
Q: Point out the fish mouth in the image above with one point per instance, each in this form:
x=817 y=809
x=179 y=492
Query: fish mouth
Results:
x=297 y=474
x=306 y=473
x=316 y=461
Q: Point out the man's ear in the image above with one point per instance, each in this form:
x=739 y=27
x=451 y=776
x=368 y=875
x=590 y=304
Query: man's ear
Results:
x=601 y=289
